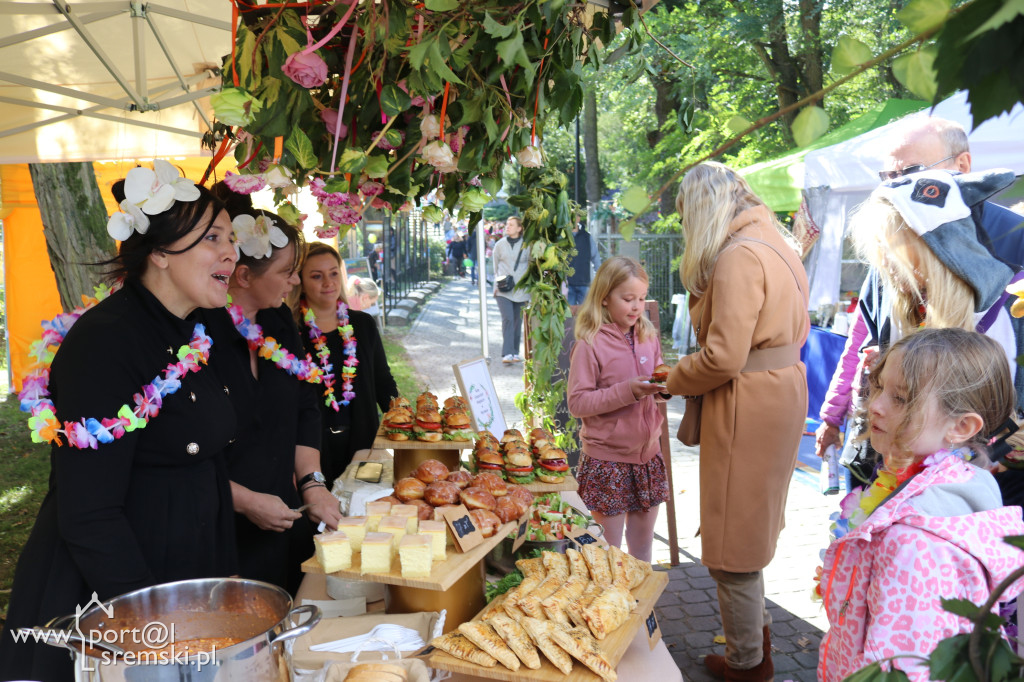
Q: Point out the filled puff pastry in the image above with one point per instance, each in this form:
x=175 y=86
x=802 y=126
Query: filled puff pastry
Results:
x=608 y=611
x=460 y=647
x=533 y=575
x=627 y=571
x=484 y=636
x=540 y=633
x=517 y=639
x=557 y=566
x=557 y=604
x=580 y=644
x=596 y=557
x=577 y=564
x=575 y=608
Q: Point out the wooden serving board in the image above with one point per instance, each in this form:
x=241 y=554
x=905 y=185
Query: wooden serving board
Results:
x=385 y=443
x=614 y=645
x=443 y=574
x=539 y=488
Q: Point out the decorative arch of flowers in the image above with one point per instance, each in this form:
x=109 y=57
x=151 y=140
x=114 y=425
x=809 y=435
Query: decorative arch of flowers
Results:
x=394 y=103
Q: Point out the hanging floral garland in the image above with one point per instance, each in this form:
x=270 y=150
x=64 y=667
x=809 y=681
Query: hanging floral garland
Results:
x=89 y=432
x=269 y=349
x=348 y=370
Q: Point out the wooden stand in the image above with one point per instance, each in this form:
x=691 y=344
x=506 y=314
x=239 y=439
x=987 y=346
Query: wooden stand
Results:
x=409 y=454
x=463 y=600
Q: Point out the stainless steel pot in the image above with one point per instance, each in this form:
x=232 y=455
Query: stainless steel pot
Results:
x=246 y=617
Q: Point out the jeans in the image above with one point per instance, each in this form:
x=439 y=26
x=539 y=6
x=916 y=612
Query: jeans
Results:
x=577 y=292
x=511 y=325
x=741 y=600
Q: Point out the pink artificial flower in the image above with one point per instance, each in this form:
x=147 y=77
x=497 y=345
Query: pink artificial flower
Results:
x=384 y=144
x=148 y=403
x=326 y=232
x=377 y=202
x=79 y=436
x=306 y=68
x=34 y=386
x=343 y=216
x=244 y=184
x=406 y=206
x=371 y=188
x=458 y=140
x=330 y=119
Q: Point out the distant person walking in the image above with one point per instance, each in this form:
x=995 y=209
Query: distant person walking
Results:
x=510 y=263
x=586 y=256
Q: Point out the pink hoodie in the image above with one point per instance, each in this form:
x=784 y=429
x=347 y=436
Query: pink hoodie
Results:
x=616 y=426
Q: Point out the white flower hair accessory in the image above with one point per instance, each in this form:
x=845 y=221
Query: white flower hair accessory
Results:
x=149 y=192
x=257 y=235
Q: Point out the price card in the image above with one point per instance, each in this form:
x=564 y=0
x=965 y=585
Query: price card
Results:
x=521 y=527
x=463 y=530
x=653 y=630
x=579 y=537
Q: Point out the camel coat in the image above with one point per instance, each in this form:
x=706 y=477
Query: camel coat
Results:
x=751 y=422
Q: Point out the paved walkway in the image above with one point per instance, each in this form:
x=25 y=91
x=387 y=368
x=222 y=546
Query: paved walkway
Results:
x=447 y=331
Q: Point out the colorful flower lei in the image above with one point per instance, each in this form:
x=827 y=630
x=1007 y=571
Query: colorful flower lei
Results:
x=348 y=371
x=89 y=432
x=268 y=348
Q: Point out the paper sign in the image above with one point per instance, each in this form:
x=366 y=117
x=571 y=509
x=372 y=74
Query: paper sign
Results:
x=653 y=630
x=463 y=530
x=478 y=389
x=522 y=526
x=582 y=536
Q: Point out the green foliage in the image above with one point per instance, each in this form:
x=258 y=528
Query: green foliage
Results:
x=498 y=211
x=923 y=15
x=810 y=124
x=916 y=70
x=849 y=53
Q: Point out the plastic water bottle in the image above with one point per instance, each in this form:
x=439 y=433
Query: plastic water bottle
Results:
x=828 y=475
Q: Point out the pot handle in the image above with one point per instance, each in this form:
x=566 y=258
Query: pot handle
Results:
x=600 y=528
x=298 y=630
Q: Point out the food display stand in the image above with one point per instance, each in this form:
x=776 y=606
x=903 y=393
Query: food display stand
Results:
x=409 y=454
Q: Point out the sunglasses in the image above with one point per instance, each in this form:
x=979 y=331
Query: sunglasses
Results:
x=916 y=168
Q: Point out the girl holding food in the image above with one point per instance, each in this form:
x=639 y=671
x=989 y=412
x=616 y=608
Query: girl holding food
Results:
x=621 y=473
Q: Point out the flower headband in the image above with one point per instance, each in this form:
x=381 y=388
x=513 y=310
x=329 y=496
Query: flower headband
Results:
x=257 y=234
x=149 y=192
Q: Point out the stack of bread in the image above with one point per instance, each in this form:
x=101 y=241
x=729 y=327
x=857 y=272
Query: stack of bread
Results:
x=427 y=427
x=456 y=422
x=551 y=463
x=564 y=606
x=491 y=501
x=397 y=422
x=487 y=454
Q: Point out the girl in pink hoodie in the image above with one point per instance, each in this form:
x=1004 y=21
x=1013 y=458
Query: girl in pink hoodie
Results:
x=621 y=472
x=931 y=525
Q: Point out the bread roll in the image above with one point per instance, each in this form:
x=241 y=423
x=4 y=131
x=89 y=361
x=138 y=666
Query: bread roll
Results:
x=478 y=498
x=431 y=470
x=460 y=478
x=391 y=499
x=410 y=489
x=508 y=509
x=441 y=492
x=424 y=510
x=521 y=493
x=492 y=483
x=486 y=521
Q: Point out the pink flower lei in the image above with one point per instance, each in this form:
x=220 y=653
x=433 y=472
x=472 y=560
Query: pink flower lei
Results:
x=268 y=348
x=89 y=432
x=323 y=354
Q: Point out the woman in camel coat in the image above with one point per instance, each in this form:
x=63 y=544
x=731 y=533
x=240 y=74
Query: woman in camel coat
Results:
x=748 y=294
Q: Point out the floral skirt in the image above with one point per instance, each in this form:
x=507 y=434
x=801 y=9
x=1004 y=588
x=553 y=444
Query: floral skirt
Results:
x=614 y=488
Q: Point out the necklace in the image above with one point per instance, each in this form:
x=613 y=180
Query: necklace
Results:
x=269 y=349
x=89 y=432
x=323 y=354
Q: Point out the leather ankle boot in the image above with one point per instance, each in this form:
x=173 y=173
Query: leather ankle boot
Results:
x=762 y=672
x=716 y=665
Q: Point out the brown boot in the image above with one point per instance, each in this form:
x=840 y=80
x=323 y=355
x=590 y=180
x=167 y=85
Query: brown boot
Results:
x=762 y=672
x=716 y=665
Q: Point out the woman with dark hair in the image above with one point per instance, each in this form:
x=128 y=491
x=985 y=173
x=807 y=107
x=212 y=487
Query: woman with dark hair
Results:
x=139 y=492
x=274 y=386
x=349 y=349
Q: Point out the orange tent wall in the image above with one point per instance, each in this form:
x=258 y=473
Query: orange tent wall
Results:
x=30 y=286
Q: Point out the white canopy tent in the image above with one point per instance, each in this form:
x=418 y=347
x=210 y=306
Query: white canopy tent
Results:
x=840 y=177
x=98 y=79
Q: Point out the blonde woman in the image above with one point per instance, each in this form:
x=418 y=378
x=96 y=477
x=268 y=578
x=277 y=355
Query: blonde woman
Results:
x=749 y=307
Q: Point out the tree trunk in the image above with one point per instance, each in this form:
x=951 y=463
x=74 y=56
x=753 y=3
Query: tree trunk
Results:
x=592 y=165
x=666 y=106
x=75 y=227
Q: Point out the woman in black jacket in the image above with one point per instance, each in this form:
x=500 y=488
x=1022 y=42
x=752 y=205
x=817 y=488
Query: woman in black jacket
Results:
x=347 y=346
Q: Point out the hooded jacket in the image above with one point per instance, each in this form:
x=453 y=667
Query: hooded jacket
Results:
x=937 y=536
x=616 y=426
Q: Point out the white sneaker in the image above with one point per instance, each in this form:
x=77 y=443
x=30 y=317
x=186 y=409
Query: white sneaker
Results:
x=508 y=359
x=516 y=358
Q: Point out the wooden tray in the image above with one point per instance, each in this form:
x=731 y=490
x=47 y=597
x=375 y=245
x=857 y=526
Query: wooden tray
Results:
x=443 y=574
x=614 y=645
x=539 y=488
x=387 y=444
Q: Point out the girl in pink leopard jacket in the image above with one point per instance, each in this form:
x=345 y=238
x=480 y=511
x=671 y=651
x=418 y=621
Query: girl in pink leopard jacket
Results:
x=931 y=526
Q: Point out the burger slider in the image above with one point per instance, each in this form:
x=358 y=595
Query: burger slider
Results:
x=519 y=466
x=398 y=424
x=489 y=460
x=455 y=402
x=660 y=374
x=512 y=434
x=428 y=425
x=552 y=465
x=540 y=438
x=457 y=426
x=399 y=401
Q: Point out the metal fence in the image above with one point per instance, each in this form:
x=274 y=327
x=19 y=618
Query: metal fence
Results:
x=656 y=252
